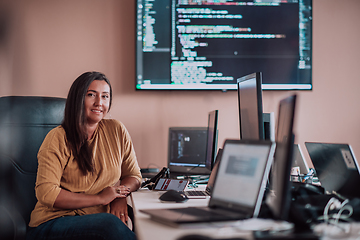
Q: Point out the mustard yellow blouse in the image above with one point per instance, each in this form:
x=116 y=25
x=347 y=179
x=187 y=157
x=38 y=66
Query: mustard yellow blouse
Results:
x=114 y=159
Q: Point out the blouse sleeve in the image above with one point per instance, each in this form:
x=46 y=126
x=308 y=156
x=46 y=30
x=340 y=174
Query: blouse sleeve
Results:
x=129 y=167
x=52 y=158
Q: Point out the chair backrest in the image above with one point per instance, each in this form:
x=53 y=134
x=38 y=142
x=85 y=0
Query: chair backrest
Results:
x=24 y=123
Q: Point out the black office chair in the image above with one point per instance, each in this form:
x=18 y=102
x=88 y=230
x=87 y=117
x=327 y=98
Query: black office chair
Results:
x=24 y=123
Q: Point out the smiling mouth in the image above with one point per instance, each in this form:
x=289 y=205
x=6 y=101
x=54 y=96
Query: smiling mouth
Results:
x=96 y=111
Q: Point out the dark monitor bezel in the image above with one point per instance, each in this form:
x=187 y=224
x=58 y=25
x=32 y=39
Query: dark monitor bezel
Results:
x=258 y=91
x=280 y=172
x=211 y=143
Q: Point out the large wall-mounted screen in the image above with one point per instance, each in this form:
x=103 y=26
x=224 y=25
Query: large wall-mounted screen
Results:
x=207 y=45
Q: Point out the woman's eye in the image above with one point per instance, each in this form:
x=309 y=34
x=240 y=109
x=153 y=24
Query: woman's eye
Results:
x=106 y=96
x=90 y=94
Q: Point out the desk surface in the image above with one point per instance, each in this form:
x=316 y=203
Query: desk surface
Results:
x=148 y=229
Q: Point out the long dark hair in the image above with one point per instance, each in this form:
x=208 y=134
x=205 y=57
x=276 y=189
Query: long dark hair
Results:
x=74 y=119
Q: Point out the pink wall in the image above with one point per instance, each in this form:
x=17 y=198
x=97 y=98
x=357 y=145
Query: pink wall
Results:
x=50 y=43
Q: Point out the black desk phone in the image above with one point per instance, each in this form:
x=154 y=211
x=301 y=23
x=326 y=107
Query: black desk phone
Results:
x=164 y=173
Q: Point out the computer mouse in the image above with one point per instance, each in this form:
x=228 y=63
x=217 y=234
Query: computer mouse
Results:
x=173 y=196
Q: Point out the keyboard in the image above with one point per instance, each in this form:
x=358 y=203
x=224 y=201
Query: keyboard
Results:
x=194 y=211
x=194 y=194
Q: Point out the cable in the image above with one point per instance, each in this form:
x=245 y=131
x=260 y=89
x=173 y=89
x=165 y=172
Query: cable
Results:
x=331 y=226
x=327 y=207
x=164 y=173
x=342 y=209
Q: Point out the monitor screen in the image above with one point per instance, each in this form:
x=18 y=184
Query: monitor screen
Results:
x=279 y=201
x=250 y=107
x=206 y=45
x=211 y=144
x=187 y=150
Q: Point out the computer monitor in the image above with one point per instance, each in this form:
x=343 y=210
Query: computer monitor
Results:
x=207 y=44
x=279 y=198
x=187 y=150
x=250 y=106
x=211 y=143
x=336 y=167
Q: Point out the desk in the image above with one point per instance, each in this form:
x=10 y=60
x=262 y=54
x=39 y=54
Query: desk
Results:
x=148 y=229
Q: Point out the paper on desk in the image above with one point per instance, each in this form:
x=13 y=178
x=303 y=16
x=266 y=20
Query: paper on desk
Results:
x=245 y=228
x=260 y=224
x=256 y=224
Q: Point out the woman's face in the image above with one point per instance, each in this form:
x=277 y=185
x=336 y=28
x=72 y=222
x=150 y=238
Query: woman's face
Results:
x=97 y=101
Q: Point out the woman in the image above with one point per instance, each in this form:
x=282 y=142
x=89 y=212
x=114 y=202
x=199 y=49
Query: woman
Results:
x=87 y=168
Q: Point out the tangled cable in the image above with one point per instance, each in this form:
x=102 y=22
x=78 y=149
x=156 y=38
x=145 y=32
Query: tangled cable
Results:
x=331 y=226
